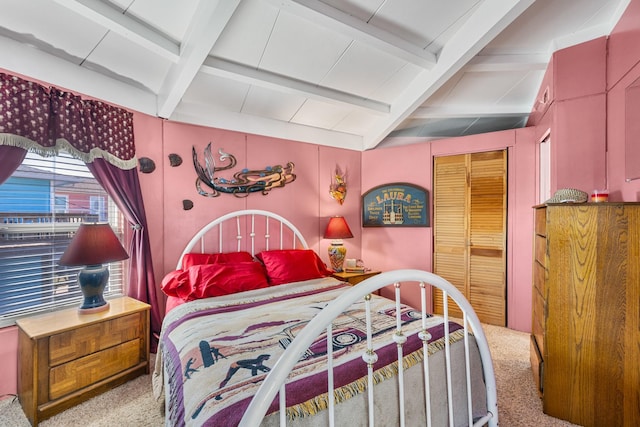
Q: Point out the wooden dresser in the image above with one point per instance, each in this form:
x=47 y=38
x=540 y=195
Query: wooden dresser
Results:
x=585 y=342
x=65 y=358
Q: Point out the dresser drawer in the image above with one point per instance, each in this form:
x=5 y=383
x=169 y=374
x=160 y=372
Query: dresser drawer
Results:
x=86 y=340
x=540 y=250
x=541 y=221
x=537 y=365
x=538 y=321
x=77 y=374
x=539 y=279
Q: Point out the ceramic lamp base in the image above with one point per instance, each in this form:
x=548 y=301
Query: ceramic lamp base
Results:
x=92 y=280
x=337 y=255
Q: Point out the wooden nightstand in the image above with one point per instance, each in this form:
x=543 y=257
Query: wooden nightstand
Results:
x=65 y=357
x=354 y=278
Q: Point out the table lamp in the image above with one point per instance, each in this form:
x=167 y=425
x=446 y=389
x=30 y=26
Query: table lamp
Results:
x=93 y=245
x=337 y=229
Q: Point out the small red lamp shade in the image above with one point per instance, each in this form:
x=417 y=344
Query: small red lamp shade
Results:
x=93 y=245
x=337 y=229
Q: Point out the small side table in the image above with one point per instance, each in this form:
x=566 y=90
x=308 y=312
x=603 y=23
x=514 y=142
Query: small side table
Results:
x=65 y=358
x=354 y=278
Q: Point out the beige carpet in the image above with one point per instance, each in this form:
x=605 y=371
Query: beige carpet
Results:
x=133 y=405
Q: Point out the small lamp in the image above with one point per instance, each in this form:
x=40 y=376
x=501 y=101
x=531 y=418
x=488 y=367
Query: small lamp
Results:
x=337 y=229
x=93 y=245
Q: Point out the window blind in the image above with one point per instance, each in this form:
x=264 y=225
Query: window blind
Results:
x=41 y=206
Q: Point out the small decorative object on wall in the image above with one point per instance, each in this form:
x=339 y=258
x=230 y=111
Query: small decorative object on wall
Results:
x=244 y=182
x=146 y=165
x=175 y=160
x=395 y=205
x=187 y=205
x=338 y=187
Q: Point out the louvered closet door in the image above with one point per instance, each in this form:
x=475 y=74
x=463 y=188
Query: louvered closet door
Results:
x=470 y=230
x=450 y=214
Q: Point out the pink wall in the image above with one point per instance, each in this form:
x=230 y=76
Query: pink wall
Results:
x=623 y=65
x=8 y=360
x=305 y=202
x=391 y=248
x=585 y=120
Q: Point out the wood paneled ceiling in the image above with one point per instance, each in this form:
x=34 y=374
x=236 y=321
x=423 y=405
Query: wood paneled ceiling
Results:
x=356 y=74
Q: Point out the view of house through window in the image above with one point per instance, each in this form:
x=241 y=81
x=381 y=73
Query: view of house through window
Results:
x=41 y=206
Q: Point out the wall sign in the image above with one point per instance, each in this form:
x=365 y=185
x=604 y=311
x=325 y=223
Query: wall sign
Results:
x=395 y=205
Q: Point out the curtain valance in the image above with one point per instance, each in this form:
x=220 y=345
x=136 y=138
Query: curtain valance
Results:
x=44 y=120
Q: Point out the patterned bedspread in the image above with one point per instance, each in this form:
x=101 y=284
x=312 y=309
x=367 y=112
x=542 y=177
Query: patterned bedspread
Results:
x=214 y=353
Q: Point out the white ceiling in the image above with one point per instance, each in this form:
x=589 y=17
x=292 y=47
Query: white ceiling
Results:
x=356 y=74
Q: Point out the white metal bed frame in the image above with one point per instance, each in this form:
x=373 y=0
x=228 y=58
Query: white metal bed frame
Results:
x=244 y=231
x=277 y=377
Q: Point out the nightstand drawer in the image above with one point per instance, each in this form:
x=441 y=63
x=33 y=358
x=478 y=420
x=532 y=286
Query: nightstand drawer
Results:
x=83 y=341
x=79 y=373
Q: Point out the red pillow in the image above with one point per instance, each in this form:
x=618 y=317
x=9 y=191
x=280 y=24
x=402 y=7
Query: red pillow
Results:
x=191 y=259
x=176 y=284
x=292 y=265
x=212 y=280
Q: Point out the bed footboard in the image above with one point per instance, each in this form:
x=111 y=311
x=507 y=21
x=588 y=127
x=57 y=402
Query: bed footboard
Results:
x=458 y=364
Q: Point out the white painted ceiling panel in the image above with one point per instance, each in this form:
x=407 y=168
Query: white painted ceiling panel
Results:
x=356 y=120
x=524 y=90
x=398 y=82
x=52 y=28
x=364 y=10
x=247 y=33
x=422 y=22
x=171 y=17
x=362 y=70
x=135 y=64
x=548 y=22
x=355 y=74
x=477 y=88
x=216 y=92
x=302 y=50
x=273 y=105
x=320 y=114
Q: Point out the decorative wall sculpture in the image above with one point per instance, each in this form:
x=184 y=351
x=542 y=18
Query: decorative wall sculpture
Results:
x=187 y=204
x=175 y=160
x=244 y=182
x=146 y=165
x=338 y=187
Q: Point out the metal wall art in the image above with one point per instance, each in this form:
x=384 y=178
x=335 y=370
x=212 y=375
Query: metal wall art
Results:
x=338 y=187
x=146 y=165
x=244 y=182
x=175 y=160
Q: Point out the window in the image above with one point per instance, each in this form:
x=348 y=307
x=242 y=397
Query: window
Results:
x=41 y=206
x=61 y=204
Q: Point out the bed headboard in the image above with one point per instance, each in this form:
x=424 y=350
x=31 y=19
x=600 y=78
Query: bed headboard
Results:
x=252 y=229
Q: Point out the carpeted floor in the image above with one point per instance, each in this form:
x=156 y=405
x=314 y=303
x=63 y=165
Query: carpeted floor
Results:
x=133 y=405
x=518 y=401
